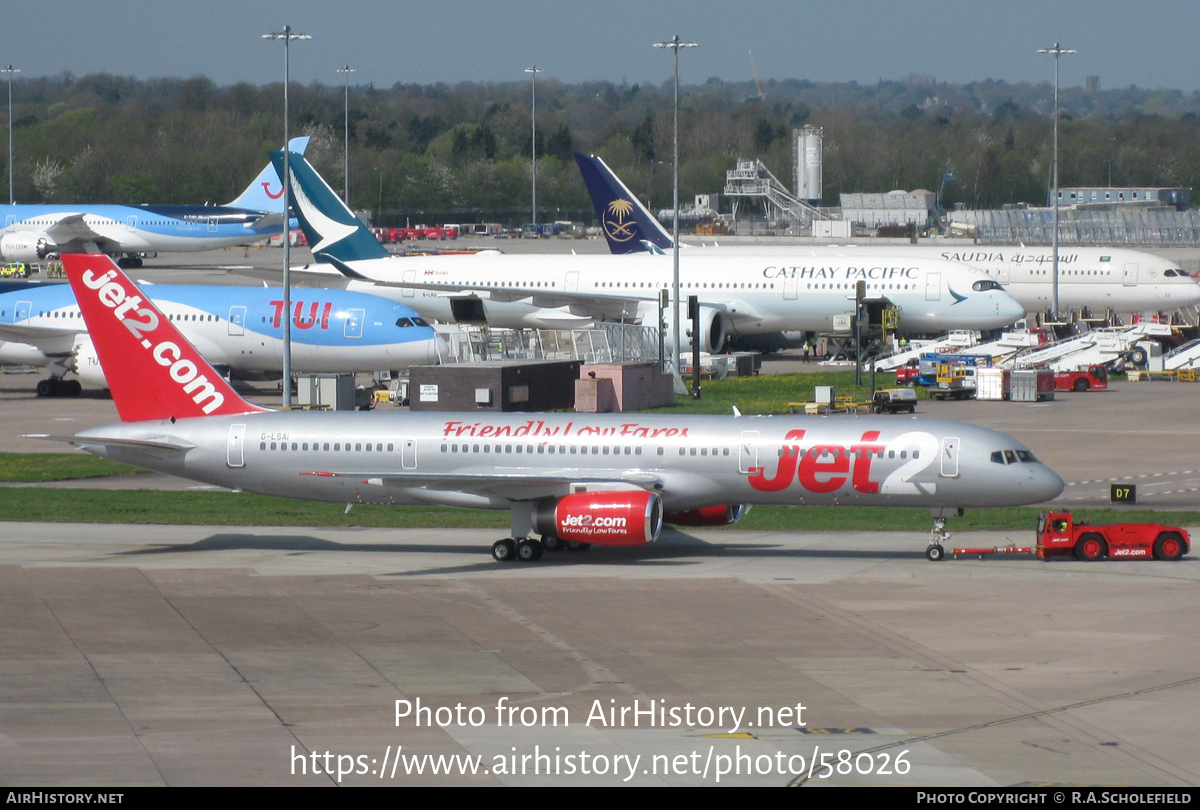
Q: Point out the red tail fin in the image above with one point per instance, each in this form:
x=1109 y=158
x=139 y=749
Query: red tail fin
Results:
x=152 y=370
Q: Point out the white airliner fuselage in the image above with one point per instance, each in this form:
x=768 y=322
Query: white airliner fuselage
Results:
x=751 y=294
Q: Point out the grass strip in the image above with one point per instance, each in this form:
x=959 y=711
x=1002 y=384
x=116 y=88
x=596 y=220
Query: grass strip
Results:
x=32 y=468
x=219 y=508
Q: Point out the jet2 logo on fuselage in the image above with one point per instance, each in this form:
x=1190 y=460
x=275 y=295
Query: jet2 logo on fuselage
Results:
x=618 y=225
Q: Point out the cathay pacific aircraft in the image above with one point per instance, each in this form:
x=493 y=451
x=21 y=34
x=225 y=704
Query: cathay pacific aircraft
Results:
x=737 y=294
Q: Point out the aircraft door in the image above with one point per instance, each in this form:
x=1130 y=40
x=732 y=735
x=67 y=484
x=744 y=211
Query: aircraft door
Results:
x=212 y=224
x=410 y=277
x=10 y=220
x=354 y=323
x=933 y=287
x=572 y=281
x=131 y=223
x=234 y=455
x=22 y=311
x=1130 y=275
x=408 y=454
x=748 y=451
x=237 y=321
x=949 y=457
x=791 y=286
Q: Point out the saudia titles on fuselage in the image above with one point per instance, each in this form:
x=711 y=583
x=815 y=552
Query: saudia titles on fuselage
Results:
x=836 y=273
x=999 y=257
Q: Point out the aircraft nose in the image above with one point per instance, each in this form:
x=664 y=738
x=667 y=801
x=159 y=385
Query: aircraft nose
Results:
x=1009 y=308
x=1044 y=484
x=1189 y=296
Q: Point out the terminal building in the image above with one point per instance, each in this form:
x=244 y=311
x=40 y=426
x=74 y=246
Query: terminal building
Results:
x=1178 y=199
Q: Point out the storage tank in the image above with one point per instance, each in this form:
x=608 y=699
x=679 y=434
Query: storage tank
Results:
x=807 y=160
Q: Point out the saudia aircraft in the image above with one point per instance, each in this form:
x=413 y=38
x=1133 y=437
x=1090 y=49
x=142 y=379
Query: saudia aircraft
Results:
x=742 y=295
x=34 y=232
x=240 y=328
x=573 y=479
x=1125 y=281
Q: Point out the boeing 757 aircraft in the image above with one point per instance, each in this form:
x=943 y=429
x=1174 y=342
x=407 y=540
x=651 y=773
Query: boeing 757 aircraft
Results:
x=1125 y=281
x=240 y=328
x=738 y=294
x=575 y=479
x=33 y=232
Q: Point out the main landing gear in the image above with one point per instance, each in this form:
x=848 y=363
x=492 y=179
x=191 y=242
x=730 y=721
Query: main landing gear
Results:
x=58 y=387
x=530 y=549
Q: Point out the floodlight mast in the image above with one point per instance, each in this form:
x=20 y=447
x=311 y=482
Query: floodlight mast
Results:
x=10 y=70
x=1056 y=52
x=287 y=36
x=347 y=70
x=675 y=44
x=533 y=72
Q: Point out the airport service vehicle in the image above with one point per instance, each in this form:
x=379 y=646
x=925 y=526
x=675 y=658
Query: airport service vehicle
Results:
x=1089 y=378
x=238 y=328
x=908 y=373
x=609 y=479
x=33 y=232
x=894 y=400
x=737 y=295
x=1058 y=535
x=955 y=380
x=1125 y=281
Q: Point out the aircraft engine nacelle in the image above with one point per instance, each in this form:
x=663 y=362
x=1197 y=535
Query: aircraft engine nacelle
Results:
x=86 y=363
x=21 y=247
x=719 y=515
x=713 y=329
x=607 y=518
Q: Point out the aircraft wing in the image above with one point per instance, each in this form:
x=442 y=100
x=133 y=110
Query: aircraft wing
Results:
x=515 y=485
x=51 y=342
x=73 y=229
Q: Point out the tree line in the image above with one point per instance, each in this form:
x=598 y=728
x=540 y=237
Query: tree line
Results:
x=439 y=153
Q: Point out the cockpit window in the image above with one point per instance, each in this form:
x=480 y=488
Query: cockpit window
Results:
x=1173 y=273
x=404 y=322
x=986 y=284
x=1013 y=457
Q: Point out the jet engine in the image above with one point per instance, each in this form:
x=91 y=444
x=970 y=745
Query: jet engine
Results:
x=86 y=363
x=606 y=518
x=25 y=247
x=719 y=515
x=713 y=329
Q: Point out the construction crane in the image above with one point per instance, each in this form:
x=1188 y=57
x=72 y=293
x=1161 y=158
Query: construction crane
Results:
x=761 y=95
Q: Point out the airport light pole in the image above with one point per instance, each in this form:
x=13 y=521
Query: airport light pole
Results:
x=10 y=70
x=675 y=44
x=347 y=70
x=533 y=72
x=287 y=36
x=1056 y=51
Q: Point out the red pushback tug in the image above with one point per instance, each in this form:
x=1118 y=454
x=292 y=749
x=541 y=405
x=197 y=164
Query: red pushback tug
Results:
x=1058 y=535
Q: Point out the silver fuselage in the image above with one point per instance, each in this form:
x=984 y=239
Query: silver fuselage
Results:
x=493 y=460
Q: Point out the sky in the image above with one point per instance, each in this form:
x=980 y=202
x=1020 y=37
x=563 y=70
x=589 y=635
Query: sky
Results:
x=1150 y=43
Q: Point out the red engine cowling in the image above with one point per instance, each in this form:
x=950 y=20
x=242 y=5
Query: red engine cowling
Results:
x=719 y=515
x=603 y=518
